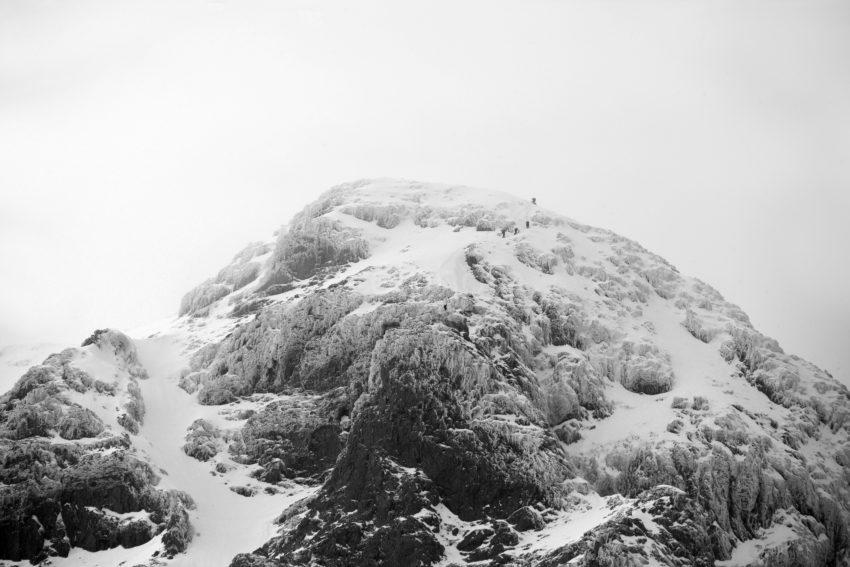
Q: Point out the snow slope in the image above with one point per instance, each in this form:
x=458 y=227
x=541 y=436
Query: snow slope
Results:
x=225 y=522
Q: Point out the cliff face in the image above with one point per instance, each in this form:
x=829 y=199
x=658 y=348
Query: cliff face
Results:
x=404 y=385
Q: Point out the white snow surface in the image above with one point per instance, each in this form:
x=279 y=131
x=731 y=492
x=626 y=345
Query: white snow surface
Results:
x=225 y=522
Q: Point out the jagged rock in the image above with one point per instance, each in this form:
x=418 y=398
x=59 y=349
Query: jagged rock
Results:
x=641 y=368
x=178 y=531
x=504 y=537
x=122 y=347
x=246 y=491
x=696 y=327
x=58 y=494
x=191 y=381
x=203 y=296
x=202 y=440
x=251 y=560
x=384 y=216
x=474 y=538
x=126 y=421
x=568 y=433
x=292 y=440
x=241 y=272
x=312 y=244
x=94 y=530
x=526 y=518
x=90 y=491
x=543 y=261
x=577 y=391
x=222 y=390
x=78 y=423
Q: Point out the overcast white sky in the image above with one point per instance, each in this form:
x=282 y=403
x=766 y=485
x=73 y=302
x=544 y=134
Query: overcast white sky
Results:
x=143 y=143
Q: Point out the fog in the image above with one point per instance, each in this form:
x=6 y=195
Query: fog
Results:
x=144 y=143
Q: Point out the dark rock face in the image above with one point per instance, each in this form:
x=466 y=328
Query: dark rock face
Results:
x=94 y=530
x=221 y=390
x=410 y=413
x=178 y=531
x=474 y=538
x=526 y=518
x=54 y=497
x=386 y=497
x=290 y=440
x=252 y=560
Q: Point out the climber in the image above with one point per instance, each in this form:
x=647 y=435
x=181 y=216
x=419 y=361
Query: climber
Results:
x=516 y=230
x=534 y=200
x=504 y=230
x=527 y=224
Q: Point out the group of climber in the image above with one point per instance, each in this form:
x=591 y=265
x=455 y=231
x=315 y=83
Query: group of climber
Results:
x=504 y=230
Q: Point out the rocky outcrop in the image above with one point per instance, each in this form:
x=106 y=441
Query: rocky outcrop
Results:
x=663 y=526
x=43 y=401
x=291 y=439
x=640 y=368
x=411 y=413
x=202 y=441
x=78 y=423
x=309 y=247
x=57 y=496
x=67 y=477
x=243 y=270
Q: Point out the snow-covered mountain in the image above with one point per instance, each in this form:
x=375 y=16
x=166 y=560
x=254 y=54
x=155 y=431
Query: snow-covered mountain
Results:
x=420 y=374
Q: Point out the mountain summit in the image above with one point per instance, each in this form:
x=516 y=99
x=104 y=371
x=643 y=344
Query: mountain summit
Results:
x=417 y=375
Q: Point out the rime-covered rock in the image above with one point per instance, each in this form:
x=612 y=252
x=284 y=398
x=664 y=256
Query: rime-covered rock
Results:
x=69 y=476
x=401 y=385
x=243 y=270
x=292 y=439
x=202 y=441
x=559 y=395
x=78 y=423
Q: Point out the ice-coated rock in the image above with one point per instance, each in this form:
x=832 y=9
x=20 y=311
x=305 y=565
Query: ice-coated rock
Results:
x=243 y=270
x=557 y=395
x=69 y=476
x=488 y=403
